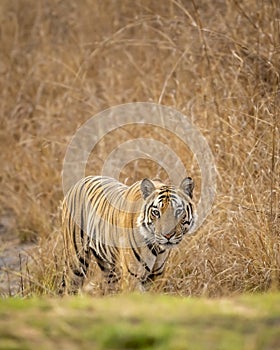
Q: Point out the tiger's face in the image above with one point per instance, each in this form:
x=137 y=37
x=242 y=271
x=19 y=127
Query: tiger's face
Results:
x=167 y=212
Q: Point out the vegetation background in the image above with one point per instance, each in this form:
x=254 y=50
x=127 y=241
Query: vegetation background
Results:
x=217 y=62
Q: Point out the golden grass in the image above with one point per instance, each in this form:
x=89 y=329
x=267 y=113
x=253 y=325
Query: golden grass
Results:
x=63 y=61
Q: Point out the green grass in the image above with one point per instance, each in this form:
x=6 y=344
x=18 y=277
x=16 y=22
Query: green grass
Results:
x=141 y=322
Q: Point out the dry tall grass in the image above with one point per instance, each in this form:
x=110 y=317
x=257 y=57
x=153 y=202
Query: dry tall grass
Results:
x=218 y=62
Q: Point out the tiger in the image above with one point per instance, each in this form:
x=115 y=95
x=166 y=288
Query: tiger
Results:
x=128 y=230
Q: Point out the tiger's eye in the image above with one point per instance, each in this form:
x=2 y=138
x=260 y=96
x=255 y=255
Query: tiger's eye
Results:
x=156 y=213
x=179 y=211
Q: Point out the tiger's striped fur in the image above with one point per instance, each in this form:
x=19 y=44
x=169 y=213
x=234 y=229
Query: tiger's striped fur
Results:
x=128 y=230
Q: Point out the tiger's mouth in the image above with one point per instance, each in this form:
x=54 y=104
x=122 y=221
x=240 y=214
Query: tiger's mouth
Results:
x=168 y=243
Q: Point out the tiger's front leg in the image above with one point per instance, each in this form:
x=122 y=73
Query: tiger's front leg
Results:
x=157 y=270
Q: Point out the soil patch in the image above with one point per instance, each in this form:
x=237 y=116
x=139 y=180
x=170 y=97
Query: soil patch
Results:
x=13 y=257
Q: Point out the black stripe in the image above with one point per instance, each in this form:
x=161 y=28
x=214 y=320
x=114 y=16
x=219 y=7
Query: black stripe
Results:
x=190 y=211
x=162 y=196
x=191 y=207
x=152 y=248
x=137 y=256
x=155 y=250
x=132 y=274
x=99 y=260
x=152 y=276
x=162 y=251
x=80 y=258
x=79 y=273
x=159 y=268
x=159 y=271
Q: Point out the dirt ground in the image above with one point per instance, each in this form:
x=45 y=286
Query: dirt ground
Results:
x=14 y=256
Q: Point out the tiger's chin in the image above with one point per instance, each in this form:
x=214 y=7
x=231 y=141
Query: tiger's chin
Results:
x=168 y=245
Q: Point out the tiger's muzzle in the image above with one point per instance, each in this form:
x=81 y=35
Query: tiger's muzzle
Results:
x=170 y=238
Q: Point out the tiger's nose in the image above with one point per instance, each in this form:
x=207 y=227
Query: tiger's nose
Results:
x=169 y=235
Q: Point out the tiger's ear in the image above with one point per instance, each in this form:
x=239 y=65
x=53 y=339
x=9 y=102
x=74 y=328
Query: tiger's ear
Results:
x=187 y=186
x=147 y=187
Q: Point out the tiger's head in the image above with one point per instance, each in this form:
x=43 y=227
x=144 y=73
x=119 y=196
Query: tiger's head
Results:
x=167 y=212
